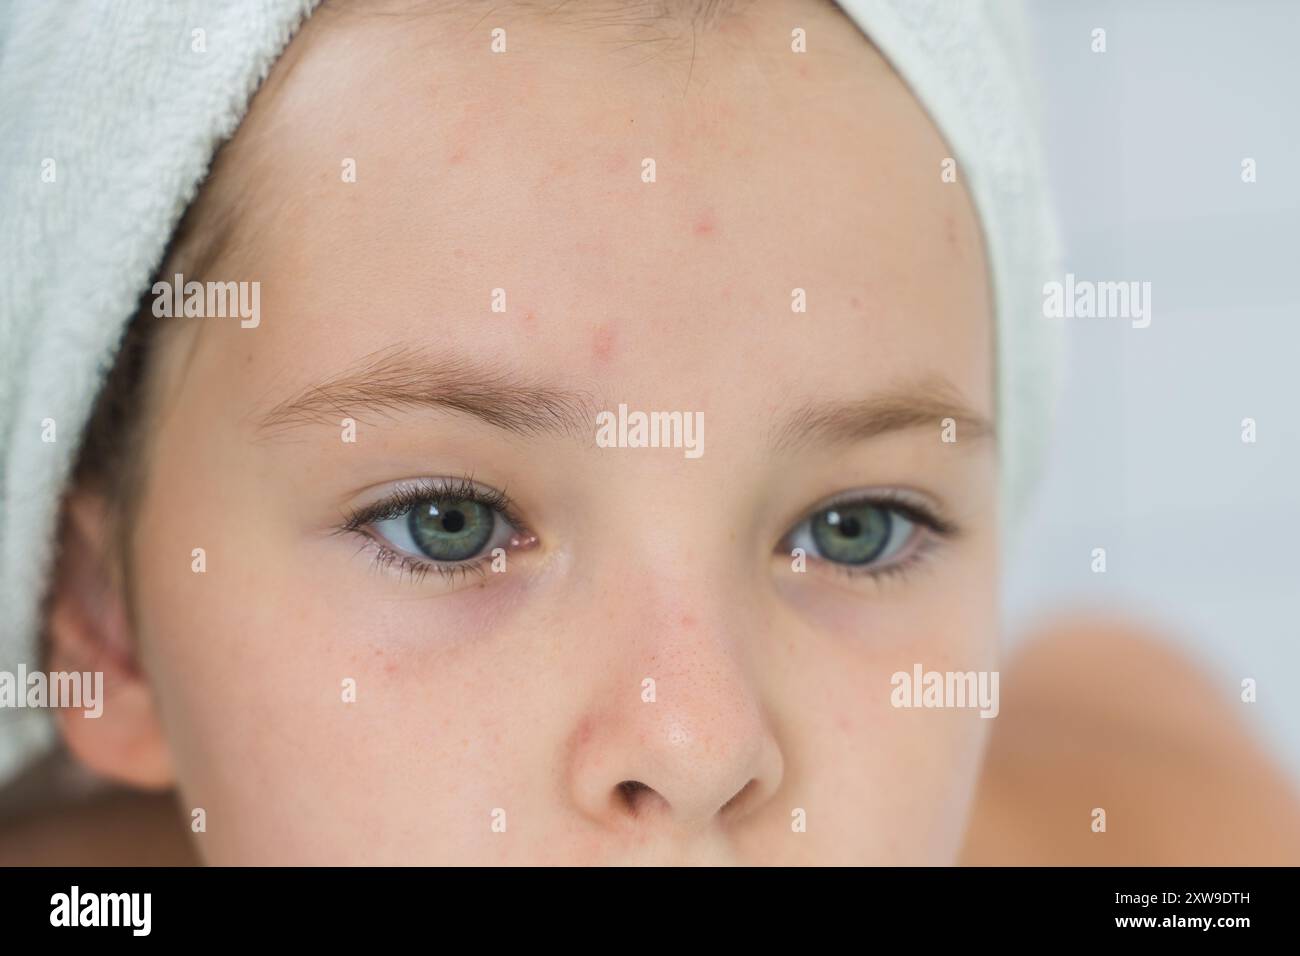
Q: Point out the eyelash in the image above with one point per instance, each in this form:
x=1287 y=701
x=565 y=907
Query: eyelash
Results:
x=401 y=501
x=935 y=528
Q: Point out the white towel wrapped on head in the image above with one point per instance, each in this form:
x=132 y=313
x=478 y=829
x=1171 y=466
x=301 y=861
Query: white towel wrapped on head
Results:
x=109 y=116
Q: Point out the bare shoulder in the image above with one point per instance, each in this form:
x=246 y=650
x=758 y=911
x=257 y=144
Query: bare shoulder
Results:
x=1104 y=716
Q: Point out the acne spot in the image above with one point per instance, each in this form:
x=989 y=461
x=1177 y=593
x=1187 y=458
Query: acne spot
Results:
x=602 y=343
x=688 y=622
x=583 y=732
x=458 y=157
x=705 y=225
x=855 y=302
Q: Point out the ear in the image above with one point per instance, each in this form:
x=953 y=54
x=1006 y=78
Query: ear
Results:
x=89 y=630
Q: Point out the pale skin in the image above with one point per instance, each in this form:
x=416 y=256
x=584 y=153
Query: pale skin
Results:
x=521 y=696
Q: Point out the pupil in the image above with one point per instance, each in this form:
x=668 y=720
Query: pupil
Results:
x=453 y=521
x=850 y=527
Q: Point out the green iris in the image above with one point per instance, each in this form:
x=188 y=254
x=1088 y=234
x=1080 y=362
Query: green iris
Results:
x=852 y=534
x=451 y=529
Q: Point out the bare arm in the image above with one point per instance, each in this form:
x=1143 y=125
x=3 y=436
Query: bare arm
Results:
x=1102 y=715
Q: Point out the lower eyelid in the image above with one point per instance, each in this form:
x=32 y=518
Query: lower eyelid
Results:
x=384 y=558
x=914 y=554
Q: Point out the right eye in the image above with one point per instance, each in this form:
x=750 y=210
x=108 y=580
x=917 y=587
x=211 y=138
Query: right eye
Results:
x=448 y=525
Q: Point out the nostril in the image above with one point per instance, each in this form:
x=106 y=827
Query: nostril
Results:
x=632 y=792
x=739 y=798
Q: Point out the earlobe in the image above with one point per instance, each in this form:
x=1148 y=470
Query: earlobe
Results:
x=88 y=629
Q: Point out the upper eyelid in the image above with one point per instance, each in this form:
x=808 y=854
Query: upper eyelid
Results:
x=406 y=494
x=913 y=505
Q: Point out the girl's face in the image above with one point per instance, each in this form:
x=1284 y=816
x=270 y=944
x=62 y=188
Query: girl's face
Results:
x=674 y=656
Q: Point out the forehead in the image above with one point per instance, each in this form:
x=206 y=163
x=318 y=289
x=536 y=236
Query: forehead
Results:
x=737 y=225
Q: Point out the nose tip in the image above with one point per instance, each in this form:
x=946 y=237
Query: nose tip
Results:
x=668 y=778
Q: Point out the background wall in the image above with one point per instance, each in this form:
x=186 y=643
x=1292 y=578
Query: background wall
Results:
x=1145 y=144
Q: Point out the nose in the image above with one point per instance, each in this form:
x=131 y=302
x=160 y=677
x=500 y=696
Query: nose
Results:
x=675 y=739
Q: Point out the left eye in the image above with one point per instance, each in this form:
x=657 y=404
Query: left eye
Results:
x=446 y=529
x=854 y=533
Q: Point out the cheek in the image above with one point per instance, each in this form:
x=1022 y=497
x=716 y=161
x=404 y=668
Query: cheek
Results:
x=306 y=736
x=892 y=785
x=895 y=784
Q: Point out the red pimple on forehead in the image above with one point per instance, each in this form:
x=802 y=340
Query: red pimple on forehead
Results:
x=602 y=343
x=705 y=225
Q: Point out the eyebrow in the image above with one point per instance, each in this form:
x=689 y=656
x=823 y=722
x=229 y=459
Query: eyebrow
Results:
x=925 y=404
x=402 y=378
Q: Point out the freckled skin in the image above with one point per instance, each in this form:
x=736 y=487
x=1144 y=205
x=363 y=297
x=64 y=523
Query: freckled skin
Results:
x=522 y=690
